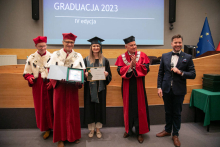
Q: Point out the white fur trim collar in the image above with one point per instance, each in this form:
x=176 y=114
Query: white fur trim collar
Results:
x=73 y=60
x=126 y=61
x=36 y=64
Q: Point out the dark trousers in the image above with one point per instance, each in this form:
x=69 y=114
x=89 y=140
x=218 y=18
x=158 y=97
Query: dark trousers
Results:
x=133 y=123
x=173 y=108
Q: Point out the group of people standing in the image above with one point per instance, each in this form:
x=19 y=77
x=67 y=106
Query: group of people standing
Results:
x=57 y=104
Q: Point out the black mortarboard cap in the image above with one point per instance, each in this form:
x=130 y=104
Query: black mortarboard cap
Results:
x=129 y=39
x=96 y=40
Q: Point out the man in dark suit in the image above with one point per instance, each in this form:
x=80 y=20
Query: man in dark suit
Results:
x=175 y=68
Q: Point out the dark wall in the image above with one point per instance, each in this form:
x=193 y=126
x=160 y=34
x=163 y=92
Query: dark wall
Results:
x=23 y=118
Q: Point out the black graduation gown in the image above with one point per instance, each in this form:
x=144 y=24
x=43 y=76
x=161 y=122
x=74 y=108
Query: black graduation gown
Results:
x=96 y=112
x=133 y=103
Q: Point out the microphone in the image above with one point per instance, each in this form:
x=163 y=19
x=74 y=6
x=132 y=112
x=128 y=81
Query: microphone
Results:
x=172 y=65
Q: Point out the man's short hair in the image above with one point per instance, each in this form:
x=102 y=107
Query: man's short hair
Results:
x=177 y=36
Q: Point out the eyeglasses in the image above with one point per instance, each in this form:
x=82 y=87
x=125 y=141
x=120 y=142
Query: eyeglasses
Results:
x=42 y=46
x=67 y=42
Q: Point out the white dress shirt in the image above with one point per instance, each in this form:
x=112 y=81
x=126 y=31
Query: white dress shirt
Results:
x=175 y=58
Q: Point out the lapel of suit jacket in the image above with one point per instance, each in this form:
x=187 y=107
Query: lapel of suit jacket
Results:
x=180 y=59
x=168 y=59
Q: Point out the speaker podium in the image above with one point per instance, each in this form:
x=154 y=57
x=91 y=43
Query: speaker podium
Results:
x=208 y=53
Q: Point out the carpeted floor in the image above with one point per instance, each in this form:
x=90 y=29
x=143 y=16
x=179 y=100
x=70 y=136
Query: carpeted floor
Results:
x=191 y=135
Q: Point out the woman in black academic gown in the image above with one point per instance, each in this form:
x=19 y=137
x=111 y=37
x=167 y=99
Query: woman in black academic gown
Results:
x=95 y=91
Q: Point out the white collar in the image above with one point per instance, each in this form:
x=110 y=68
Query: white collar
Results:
x=178 y=52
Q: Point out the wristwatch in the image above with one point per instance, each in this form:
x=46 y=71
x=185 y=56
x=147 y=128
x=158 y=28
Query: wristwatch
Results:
x=181 y=72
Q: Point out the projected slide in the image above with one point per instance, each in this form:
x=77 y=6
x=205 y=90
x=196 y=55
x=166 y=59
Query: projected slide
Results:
x=112 y=20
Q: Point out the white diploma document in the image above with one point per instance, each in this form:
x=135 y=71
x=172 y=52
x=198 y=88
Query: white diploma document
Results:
x=57 y=72
x=75 y=75
x=96 y=73
x=69 y=74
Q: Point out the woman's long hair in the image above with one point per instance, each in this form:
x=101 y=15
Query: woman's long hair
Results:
x=92 y=57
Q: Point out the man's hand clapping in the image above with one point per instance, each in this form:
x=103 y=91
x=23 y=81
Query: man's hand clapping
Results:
x=133 y=61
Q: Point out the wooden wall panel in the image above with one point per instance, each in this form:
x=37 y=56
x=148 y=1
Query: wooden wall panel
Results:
x=205 y=65
x=15 y=93
x=108 y=53
x=12 y=68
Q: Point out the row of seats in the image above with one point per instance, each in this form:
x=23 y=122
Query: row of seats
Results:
x=154 y=60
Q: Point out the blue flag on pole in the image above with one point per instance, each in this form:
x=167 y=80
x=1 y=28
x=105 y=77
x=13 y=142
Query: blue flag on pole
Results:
x=205 y=40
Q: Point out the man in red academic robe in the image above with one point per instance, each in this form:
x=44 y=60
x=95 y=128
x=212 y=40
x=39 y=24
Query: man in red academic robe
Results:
x=36 y=73
x=66 y=102
x=133 y=66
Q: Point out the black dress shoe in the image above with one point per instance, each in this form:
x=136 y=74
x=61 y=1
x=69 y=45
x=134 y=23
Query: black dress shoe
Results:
x=77 y=141
x=140 y=138
x=126 y=135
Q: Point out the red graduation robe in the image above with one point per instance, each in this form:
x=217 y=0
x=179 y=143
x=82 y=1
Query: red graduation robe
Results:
x=43 y=103
x=124 y=62
x=65 y=100
x=66 y=112
x=43 y=98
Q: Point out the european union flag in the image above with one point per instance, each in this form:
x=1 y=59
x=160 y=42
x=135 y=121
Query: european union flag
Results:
x=205 y=40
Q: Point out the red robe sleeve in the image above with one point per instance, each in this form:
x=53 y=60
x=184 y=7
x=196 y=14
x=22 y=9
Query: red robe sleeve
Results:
x=140 y=67
x=124 y=68
x=79 y=85
x=27 y=77
x=54 y=83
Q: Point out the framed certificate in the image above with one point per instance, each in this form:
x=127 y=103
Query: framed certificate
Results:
x=96 y=73
x=75 y=75
x=69 y=74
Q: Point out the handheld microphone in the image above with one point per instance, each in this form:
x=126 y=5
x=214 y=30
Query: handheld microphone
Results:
x=172 y=65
